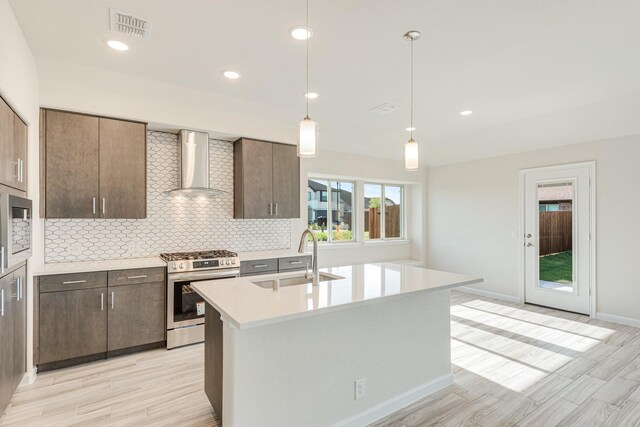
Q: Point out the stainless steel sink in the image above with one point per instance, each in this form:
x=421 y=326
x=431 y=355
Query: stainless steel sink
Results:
x=291 y=281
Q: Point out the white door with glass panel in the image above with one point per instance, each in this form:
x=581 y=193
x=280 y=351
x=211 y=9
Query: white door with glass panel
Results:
x=557 y=232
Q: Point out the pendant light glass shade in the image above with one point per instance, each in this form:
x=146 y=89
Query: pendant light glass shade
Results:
x=307 y=138
x=411 y=155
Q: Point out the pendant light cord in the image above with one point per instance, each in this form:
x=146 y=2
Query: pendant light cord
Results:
x=307 y=44
x=411 y=88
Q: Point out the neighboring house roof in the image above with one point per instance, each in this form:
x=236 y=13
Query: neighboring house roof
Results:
x=555 y=193
x=345 y=196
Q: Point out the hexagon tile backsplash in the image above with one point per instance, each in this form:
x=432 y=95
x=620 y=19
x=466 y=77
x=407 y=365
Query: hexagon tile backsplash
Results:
x=173 y=223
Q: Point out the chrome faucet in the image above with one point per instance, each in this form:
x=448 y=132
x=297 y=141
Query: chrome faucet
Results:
x=303 y=240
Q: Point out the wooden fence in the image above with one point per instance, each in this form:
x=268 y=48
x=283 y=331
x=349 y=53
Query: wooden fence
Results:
x=392 y=222
x=556 y=232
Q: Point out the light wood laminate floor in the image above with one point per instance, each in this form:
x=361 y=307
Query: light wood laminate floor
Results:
x=514 y=365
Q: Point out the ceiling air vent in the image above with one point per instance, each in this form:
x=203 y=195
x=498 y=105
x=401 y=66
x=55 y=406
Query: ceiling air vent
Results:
x=384 y=108
x=129 y=25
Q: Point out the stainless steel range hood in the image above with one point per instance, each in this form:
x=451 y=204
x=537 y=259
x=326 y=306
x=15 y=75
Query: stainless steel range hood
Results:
x=194 y=175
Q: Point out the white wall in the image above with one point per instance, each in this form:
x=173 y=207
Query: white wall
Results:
x=350 y=166
x=473 y=219
x=19 y=87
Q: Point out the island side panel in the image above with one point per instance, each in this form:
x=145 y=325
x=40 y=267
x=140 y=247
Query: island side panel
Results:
x=302 y=372
x=213 y=358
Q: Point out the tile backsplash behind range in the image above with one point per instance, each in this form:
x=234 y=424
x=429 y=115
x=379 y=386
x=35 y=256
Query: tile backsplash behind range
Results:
x=173 y=223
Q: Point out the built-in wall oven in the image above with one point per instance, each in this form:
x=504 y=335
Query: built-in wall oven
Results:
x=185 y=307
x=15 y=231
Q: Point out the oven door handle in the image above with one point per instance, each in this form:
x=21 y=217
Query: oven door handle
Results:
x=203 y=275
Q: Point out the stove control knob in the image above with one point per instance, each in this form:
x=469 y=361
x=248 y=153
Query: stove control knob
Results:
x=227 y=262
x=233 y=261
x=174 y=266
x=181 y=265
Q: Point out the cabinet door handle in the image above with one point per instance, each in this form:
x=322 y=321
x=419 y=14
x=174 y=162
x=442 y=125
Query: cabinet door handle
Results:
x=20 y=177
x=104 y=205
x=21 y=280
x=276 y=209
x=260 y=266
x=101 y=301
x=2 y=303
x=113 y=298
x=270 y=209
x=94 y=205
x=142 y=276
x=295 y=262
x=72 y=282
x=2 y=260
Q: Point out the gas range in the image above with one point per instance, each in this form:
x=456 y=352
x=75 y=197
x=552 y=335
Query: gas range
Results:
x=185 y=308
x=182 y=262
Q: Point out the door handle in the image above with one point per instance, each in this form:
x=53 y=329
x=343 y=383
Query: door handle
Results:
x=20 y=177
x=142 y=276
x=295 y=262
x=529 y=244
x=259 y=265
x=528 y=235
x=113 y=297
x=101 y=301
x=104 y=205
x=270 y=209
x=94 y=205
x=2 y=260
x=276 y=209
x=72 y=282
x=2 y=303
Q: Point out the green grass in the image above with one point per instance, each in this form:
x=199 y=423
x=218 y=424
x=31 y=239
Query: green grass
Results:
x=557 y=267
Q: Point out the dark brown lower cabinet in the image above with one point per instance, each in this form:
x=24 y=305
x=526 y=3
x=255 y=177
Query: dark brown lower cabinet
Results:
x=13 y=333
x=88 y=316
x=136 y=315
x=72 y=324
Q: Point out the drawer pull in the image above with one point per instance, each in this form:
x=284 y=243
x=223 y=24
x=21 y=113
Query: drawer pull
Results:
x=295 y=262
x=72 y=282
x=260 y=266
x=142 y=276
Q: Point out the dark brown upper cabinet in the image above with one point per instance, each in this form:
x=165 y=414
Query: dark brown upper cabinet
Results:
x=94 y=167
x=13 y=149
x=266 y=180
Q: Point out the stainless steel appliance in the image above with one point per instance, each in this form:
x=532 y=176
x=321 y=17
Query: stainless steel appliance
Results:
x=185 y=308
x=15 y=231
x=194 y=175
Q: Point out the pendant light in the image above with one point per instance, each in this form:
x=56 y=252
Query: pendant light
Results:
x=307 y=129
x=411 y=152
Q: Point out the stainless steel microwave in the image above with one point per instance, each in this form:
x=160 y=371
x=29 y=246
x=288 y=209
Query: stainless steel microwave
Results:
x=15 y=231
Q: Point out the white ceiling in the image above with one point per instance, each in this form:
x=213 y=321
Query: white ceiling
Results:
x=535 y=73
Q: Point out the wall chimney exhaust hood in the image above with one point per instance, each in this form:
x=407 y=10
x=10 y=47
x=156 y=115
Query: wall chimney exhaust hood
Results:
x=194 y=175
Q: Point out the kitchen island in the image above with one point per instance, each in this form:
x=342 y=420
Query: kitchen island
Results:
x=278 y=355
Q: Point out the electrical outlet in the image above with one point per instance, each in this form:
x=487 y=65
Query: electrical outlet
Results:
x=361 y=386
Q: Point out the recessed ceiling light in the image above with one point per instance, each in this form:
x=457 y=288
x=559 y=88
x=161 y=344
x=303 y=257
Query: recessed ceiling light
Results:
x=117 y=45
x=466 y=113
x=301 y=33
x=410 y=129
x=231 y=74
x=311 y=95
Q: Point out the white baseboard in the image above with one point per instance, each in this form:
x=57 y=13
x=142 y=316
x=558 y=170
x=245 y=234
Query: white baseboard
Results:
x=618 y=319
x=488 y=294
x=29 y=377
x=396 y=403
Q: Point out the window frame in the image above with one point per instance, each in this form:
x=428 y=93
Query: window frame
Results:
x=383 y=199
x=329 y=202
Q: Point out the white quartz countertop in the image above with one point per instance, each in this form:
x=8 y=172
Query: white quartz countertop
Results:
x=245 y=305
x=87 y=266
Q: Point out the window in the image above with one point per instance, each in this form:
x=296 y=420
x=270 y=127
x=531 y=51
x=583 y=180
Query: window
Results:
x=383 y=211
x=330 y=213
